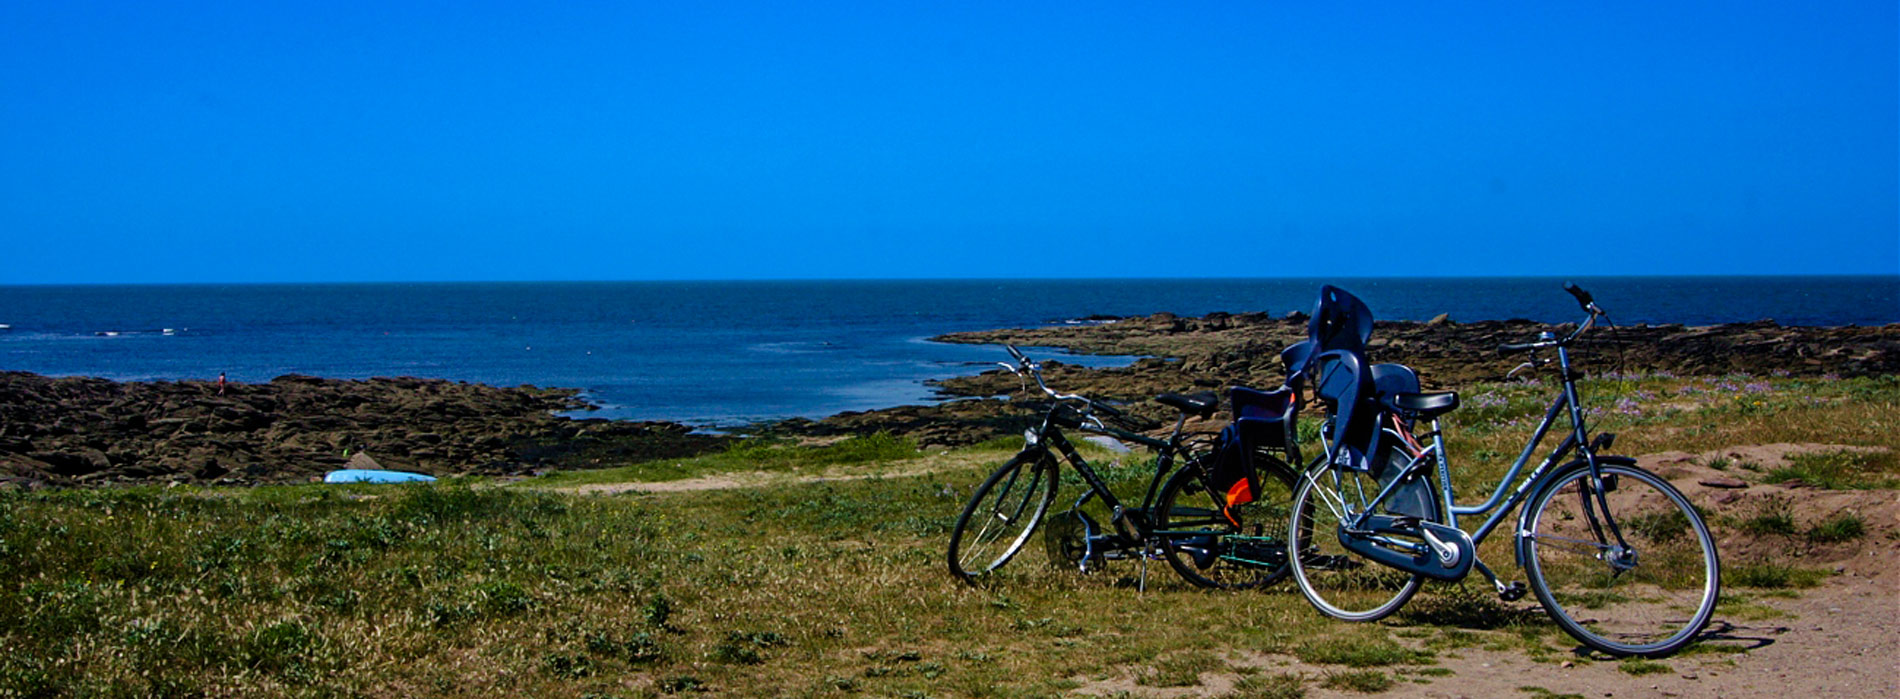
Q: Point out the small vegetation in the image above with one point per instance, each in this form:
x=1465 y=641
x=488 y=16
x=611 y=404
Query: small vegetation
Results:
x=1179 y=670
x=1843 y=526
x=1841 y=470
x=1640 y=667
x=1774 y=516
x=1770 y=575
x=1269 y=686
x=751 y=455
x=1358 y=681
x=1361 y=650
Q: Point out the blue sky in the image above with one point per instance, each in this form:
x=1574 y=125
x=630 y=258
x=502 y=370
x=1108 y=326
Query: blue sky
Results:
x=340 y=141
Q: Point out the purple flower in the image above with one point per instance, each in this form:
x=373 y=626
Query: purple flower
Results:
x=1781 y=373
x=1758 y=387
x=1831 y=376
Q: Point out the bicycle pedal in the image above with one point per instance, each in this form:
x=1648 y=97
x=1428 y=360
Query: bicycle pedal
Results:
x=1512 y=592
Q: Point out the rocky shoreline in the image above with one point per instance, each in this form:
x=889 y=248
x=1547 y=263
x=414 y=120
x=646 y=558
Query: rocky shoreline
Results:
x=84 y=431
x=87 y=431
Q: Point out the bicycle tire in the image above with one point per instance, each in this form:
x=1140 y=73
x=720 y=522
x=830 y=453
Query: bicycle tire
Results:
x=1005 y=492
x=1214 y=555
x=1336 y=581
x=1649 y=602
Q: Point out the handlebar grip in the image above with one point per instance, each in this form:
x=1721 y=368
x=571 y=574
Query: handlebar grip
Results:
x=1508 y=347
x=1018 y=354
x=1583 y=297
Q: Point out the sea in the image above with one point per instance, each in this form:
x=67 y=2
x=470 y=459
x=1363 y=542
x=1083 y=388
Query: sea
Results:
x=726 y=354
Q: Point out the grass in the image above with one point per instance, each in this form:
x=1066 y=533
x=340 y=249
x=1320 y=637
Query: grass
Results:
x=1268 y=686
x=1360 y=650
x=1358 y=681
x=1774 y=516
x=1771 y=575
x=1840 y=470
x=796 y=589
x=1842 y=526
x=1639 y=667
x=750 y=456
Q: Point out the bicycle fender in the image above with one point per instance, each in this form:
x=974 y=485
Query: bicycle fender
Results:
x=1520 y=549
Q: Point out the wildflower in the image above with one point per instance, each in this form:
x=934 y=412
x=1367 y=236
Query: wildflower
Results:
x=1831 y=376
x=1781 y=373
x=1758 y=387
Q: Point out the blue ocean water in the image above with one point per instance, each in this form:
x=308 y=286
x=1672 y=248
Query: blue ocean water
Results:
x=723 y=353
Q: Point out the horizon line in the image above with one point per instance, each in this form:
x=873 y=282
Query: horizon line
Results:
x=713 y=280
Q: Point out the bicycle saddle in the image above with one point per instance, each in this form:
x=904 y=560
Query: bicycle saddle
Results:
x=1202 y=404
x=1424 y=406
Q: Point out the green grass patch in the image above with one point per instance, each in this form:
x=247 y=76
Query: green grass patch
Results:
x=1774 y=516
x=1178 y=670
x=1541 y=693
x=1367 y=681
x=748 y=456
x=1843 y=526
x=1268 y=686
x=1771 y=575
x=1841 y=470
x=1640 y=667
x=1361 y=650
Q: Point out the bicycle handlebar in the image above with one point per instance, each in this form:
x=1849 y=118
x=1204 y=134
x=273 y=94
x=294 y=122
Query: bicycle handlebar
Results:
x=1584 y=301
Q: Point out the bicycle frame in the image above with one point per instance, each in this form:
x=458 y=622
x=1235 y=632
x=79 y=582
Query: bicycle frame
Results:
x=1050 y=435
x=1500 y=503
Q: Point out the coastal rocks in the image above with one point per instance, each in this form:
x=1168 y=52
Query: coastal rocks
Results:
x=84 y=431
x=1244 y=348
x=1222 y=349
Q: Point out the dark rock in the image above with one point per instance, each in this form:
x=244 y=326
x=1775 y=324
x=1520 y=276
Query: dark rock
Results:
x=92 y=431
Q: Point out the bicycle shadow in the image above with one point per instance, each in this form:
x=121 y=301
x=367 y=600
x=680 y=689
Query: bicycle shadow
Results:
x=1733 y=638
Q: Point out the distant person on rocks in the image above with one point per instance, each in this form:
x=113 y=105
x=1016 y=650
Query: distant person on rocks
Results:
x=220 y=383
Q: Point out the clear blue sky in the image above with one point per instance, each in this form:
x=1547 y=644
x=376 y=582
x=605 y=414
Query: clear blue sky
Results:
x=344 y=141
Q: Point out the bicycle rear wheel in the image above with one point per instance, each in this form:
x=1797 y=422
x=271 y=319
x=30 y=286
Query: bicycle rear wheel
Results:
x=1650 y=598
x=1335 y=580
x=1209 y=549
x=1001 y=514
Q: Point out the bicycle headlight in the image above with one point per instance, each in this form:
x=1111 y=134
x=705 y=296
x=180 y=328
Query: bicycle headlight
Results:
x=1030 y=437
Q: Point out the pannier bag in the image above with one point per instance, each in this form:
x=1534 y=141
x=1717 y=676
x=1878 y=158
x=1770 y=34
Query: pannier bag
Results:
x=1230 y=471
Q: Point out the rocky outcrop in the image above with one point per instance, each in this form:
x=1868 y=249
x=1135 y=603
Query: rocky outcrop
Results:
x=1225 y=349
x=79 y=431
x=1244 y=348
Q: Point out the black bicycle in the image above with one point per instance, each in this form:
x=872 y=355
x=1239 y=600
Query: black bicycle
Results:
x=1218 y=519
x=1616 y=555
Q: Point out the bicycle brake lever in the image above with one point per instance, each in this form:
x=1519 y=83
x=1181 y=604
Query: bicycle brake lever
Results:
x=1520 y=367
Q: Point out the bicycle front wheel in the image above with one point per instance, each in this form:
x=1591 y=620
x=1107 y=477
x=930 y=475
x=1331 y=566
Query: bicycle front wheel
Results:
x=1335 y=580
x=1648 y=594
x=1002 y=514
x=1241 y=547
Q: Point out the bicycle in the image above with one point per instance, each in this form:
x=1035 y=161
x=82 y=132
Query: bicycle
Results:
x=1210 y=520
x=1617 y=556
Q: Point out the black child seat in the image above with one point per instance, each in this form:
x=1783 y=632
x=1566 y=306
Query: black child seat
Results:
x=1372 y=407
